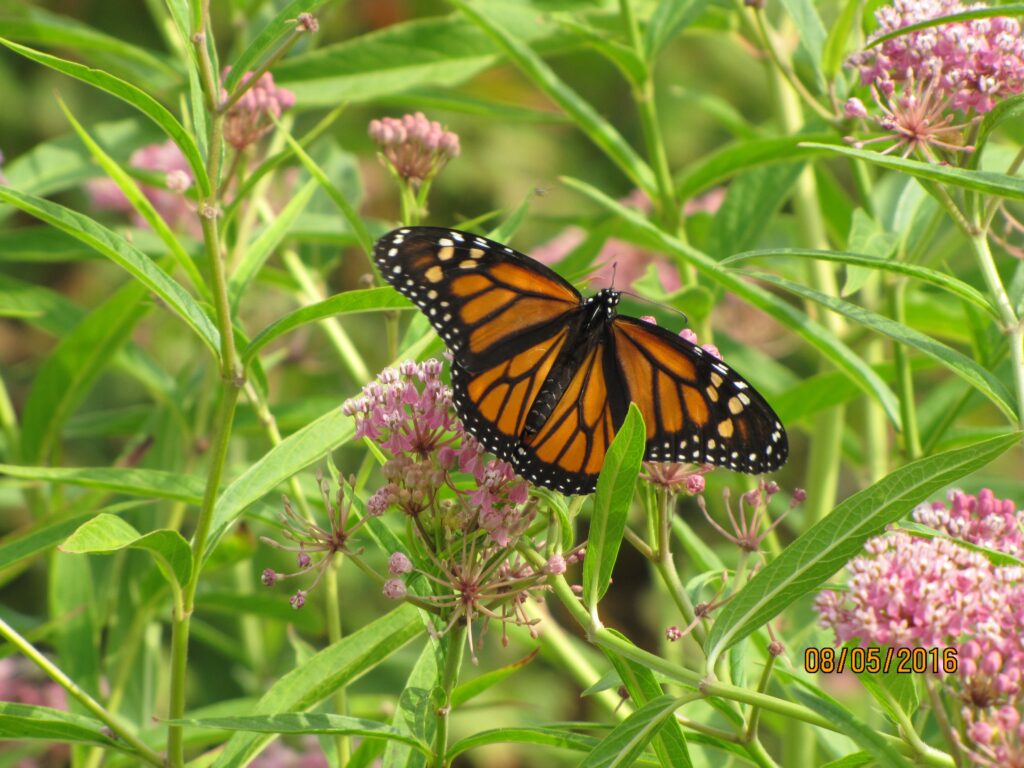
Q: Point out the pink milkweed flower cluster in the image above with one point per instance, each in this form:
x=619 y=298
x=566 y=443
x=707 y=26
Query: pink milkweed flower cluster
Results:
x=908 y=591
x=974 y=63
x=249 y=118
x=408 y=411
x=171 y=203
x=919 y=79
x=415 y=148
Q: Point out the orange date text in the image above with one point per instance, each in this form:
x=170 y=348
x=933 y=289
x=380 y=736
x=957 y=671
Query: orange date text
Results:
x=902 y=661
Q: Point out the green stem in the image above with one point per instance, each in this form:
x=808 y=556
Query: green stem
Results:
x=665 y=564
x=342 y=744
x=1013 y=326
x=56 y=674
x=905 y=378
x=449 y=678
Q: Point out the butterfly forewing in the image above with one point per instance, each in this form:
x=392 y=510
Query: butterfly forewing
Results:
x=481 y=297
x=544 y=378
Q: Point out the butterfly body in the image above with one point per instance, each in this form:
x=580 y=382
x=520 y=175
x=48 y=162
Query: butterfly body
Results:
x=543 y=377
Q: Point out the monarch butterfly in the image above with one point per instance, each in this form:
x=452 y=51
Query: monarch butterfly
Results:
x=543 y=378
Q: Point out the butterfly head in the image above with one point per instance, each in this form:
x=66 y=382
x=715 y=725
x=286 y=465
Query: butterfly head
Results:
x=604 y=303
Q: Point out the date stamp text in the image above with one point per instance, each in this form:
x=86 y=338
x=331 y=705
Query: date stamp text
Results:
x=902 y=661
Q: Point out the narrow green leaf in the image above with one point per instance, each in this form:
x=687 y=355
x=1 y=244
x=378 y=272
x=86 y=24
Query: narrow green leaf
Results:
x=435 y=52
x=138 y=200
x=127 y=92
x=815 y=556
x=540 y=736
x=270 y=35
x=938 y=21
x=122 y=253
x=153 y=483
x=337 y=665
x=830 y=346
x=596 y=128
x=812 y=31
x=294 y=453
x=628 y=61
x=106 y=533
x=30 y=722
x=615 y=488
x=958 y=363
x=644 y=687
x=853 y=760
x=355 y=221
x=36 y=25
x=258 y=251
x=413 y=715
x=312 y=722
x=931 y=276
x=836 y=43
x=669 y=19
x=987 y=182
x=733 y=159
x=751 y=204
x=629 y=738
x=469 y=690
x=885 y=754
x=1010 y=108
x=72 y=368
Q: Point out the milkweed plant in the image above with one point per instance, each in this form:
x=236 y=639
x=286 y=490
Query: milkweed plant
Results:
x=242 y=521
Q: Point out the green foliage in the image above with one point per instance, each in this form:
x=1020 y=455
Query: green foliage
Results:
x=182 y=317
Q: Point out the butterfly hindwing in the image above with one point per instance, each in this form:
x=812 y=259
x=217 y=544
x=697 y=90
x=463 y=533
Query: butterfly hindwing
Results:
x=696 y=408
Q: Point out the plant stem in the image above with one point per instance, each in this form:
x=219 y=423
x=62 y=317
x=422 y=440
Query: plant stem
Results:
x=904 y=378
x=1013 y=326
x=56 y=674
x=456 y=640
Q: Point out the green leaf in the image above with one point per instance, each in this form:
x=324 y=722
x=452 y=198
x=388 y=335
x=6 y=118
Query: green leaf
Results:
x=615 y=488
x=413 y=714
x=440 y=51
x=931 y=276
x=808 y=562
x=46 y=534
x=958 y=363
x=733 y=159
x=549 y=737
x=469 y=690
x=122 y=253
x=260 y=249
x=826 y=342
x=995 y=556
x=894 y=692
x=587 y=119
x=812 y=31
x=138 y=200
x=1005 y=109
x=987 y=182
x=294 y=453
x=834 y=54
x=127 y=92
x=644 y=687
x=108 y=533
x=669 y=19
x=35 y=25
x=750 y=204
x=351 y=215
x=624 y=58
x=30 y=722
x=629 y=738
x=270 y=34
x=335 y=666
x=312 y=722
x=72 y=368
x=885 y=754
x=152 y=483
x=976 y=13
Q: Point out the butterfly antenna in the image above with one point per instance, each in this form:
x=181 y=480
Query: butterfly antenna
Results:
x=669 y=307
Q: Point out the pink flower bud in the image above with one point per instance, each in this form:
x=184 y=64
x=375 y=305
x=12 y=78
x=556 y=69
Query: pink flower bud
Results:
x=399 y=564
x=394 y=589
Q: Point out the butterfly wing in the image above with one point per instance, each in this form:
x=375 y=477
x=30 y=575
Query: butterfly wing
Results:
x=696 y=408
x=487 y=301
